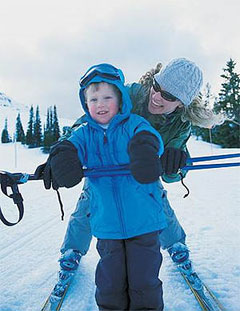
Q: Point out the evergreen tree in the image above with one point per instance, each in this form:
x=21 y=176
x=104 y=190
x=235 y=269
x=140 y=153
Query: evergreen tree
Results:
x=29 y=135
x=56 y=130
x=228 y=134
x=48 y=125
x=51 y=129
x=19 y=134
x=47 y=133
x=37 y=130
x=50 y=119
x=5 y=136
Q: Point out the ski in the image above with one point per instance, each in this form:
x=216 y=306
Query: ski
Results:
x=69 y=262
x=203 y=294
x=55 y=304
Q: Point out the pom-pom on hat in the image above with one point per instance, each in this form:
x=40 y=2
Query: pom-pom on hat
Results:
x=181 y=78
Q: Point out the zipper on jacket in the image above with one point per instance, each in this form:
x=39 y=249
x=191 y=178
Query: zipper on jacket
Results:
x=105 y=141
x=105 y=137
x=115 y=191
x=119 y=206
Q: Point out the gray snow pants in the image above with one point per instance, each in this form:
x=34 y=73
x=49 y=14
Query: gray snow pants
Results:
x=127 y=274
x=78 y=235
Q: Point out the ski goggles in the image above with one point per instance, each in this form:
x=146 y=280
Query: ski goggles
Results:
x=107 y=72
x=165 y=95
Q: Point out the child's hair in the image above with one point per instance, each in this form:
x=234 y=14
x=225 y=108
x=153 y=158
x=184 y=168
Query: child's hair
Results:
x=196 y=112
x=115 y=89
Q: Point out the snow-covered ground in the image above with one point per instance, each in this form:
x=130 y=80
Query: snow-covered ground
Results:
x=29 y=250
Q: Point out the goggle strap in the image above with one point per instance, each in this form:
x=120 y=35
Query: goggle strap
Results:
x=84 y=81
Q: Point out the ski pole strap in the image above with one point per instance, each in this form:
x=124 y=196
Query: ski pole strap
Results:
x=119 y=170
x=184 y=185
x=61 y=204
x=7 y=180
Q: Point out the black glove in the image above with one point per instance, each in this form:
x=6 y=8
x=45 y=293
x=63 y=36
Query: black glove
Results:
x=43 y=171
x=173 y=159
x=145 y=164
x=63 y=167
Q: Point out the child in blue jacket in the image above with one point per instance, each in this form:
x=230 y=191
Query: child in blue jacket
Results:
x=126 y=210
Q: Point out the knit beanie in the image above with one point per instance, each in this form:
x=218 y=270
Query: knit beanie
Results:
x=181 y=78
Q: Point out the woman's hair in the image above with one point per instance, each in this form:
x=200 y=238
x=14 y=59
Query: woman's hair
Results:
x=147 y=79
x=201 y=116
x=196 y=112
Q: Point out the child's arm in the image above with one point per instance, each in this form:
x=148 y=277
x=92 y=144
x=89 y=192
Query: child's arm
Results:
x=145 y=164
x=175 y=152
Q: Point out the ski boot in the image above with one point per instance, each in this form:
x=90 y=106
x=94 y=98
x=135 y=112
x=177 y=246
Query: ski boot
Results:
x=180 y=256
x=69 y=262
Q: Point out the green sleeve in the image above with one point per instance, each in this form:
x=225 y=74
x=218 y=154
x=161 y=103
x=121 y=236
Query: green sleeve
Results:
x=137 y=96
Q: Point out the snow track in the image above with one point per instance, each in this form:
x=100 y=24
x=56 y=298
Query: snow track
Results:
x=29 y=251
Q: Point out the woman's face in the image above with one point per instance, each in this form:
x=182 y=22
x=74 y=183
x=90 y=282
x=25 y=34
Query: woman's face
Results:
x=158 y=105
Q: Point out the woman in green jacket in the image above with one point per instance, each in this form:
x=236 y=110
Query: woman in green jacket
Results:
x=169 y=100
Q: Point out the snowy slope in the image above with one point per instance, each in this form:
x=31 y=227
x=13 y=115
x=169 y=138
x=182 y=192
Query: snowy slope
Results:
x=29 y=250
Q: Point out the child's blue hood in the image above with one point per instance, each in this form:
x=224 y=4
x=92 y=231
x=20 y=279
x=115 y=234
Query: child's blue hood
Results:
x=102 y=73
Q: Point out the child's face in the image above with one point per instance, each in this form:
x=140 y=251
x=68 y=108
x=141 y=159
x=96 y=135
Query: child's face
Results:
x=102 y=102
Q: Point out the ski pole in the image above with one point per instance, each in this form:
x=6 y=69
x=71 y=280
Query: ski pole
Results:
x=208 y=166
x=124 y=170
x=21 y=178
x=215 y=157
x=13 y=179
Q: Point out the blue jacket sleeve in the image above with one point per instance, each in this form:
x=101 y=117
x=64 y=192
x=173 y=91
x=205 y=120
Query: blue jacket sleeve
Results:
x=144 y=125
x=77 y=139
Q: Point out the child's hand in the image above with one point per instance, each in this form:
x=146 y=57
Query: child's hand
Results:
x=63 y=167
x=145 y=164
x=66 y=167
x=43 y=171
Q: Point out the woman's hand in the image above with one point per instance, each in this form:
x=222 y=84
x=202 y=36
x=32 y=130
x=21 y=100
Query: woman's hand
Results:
x=172 y=160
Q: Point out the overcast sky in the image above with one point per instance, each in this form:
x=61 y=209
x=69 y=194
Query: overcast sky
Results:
x=47 y=45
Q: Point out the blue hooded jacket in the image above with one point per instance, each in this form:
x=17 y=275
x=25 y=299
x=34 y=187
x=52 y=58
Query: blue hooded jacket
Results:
x=121 y=207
